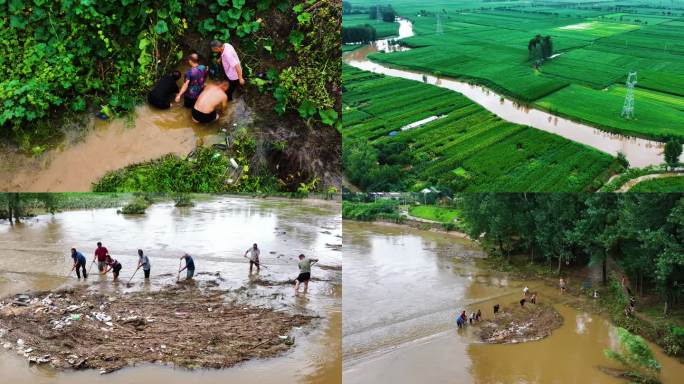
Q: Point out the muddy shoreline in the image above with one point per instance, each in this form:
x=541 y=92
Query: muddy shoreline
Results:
x=182 y=326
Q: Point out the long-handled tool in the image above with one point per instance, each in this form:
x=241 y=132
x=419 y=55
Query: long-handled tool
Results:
x=258 y=263
x=179 y=270
x=128 y=284
x=91 y=266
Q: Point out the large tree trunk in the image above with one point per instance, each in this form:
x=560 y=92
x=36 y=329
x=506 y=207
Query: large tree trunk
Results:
x=560 y=263
x=604 y=277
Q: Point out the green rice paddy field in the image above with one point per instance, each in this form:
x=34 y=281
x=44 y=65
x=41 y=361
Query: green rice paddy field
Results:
x=596 y=46
x=468 y=148
x=667 y=184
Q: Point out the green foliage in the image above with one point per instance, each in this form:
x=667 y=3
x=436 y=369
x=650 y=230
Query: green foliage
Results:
x=636 y=357
x=70 y=55
x=661 y=185
x=183 y=200
x=135 y=207
x=206 y=172
x=379 y=210
x=673 y=149
x=467 y=149
x=435 y=213
x=674 y=341
x=64 y=54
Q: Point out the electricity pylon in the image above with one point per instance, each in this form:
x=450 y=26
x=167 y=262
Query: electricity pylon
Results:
x=628 y=107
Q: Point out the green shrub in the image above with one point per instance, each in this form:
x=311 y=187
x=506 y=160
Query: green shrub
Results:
x=135 y=207
x=636 y=357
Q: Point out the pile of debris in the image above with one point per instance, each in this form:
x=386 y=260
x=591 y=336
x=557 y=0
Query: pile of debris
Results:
x=181 y=326
x=516 y=324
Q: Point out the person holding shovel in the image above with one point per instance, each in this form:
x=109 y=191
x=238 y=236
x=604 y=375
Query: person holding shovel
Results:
x=304 y=272
x=253 y=257
x=144 y=262
x=189 y=265
x=79 y=262
x=114 y=266
x=101 y=254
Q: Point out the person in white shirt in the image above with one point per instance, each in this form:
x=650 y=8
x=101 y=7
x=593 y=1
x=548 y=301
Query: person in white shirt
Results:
x=253 y=257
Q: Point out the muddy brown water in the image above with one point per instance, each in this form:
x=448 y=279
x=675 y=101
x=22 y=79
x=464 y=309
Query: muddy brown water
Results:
x=216 y=231
x=639 y=152
x=403 y=288
x=148 y=133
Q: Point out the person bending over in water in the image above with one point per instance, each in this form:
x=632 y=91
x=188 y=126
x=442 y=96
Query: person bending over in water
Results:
x=212 y=98
x=194 y=82
x=496 y=309
x=189 y=265
x=79 y=262
x=254 y=257
x=478 y=316
x=304 y=272
x=114 y=266
x=163 y=92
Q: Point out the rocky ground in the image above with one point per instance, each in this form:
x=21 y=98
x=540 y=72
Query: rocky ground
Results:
x=516 y=324
x=181 y=325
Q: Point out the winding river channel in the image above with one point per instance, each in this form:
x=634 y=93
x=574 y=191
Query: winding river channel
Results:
x=402 y=290
x=639 y=152
x=216 y=231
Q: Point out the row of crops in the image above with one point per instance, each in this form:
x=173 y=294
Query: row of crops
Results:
x=467 y=149
x=585 y=81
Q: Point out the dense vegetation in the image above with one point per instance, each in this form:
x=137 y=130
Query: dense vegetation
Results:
x=380 y=210
x=643 y=233
x=636 y=357
x=665 y=184
x=466 y=149
x=593 y=49
x=362 y=24
x=78 y=55
x=435 y=213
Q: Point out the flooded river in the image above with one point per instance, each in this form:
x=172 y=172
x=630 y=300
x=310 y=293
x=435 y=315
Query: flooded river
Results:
x=216 y=232
x=639 y=152
x=403 y=288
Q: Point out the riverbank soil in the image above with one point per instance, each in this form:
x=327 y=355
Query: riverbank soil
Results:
x=518 y=324
x=180 y=325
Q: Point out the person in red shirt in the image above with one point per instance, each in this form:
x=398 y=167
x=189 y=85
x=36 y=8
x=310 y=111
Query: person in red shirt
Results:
x=101 y=254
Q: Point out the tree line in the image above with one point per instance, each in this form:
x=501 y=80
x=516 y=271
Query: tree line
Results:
x=359 y=34
x=642 y=233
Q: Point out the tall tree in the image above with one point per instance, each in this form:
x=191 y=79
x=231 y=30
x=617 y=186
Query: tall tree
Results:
x=673 y=149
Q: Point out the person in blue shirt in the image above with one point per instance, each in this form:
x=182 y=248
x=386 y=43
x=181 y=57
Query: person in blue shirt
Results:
x=79 y=263
x=189 y=265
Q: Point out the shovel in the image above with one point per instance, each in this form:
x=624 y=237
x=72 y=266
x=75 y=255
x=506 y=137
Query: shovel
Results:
x=179 y=271
x=91 y=266
x=129 y=280
x=258 y=263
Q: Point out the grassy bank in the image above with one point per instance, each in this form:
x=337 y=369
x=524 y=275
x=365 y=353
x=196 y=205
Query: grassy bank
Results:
x=434 y=213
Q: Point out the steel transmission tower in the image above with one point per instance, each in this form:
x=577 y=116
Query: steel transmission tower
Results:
x=378 y=14
x=440 y=30
x=628 y=107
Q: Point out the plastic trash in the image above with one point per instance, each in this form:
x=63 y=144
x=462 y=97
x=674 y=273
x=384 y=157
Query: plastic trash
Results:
x=75 y=317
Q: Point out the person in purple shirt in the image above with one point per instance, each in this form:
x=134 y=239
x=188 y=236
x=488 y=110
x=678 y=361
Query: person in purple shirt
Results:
x=194 y=82
x=231 y=65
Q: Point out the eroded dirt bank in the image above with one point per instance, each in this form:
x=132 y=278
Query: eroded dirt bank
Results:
x=183 y=325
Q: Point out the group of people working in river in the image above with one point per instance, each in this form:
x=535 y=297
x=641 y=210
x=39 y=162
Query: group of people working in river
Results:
x=106 y=263
x=206 y=100
x=462 y=320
